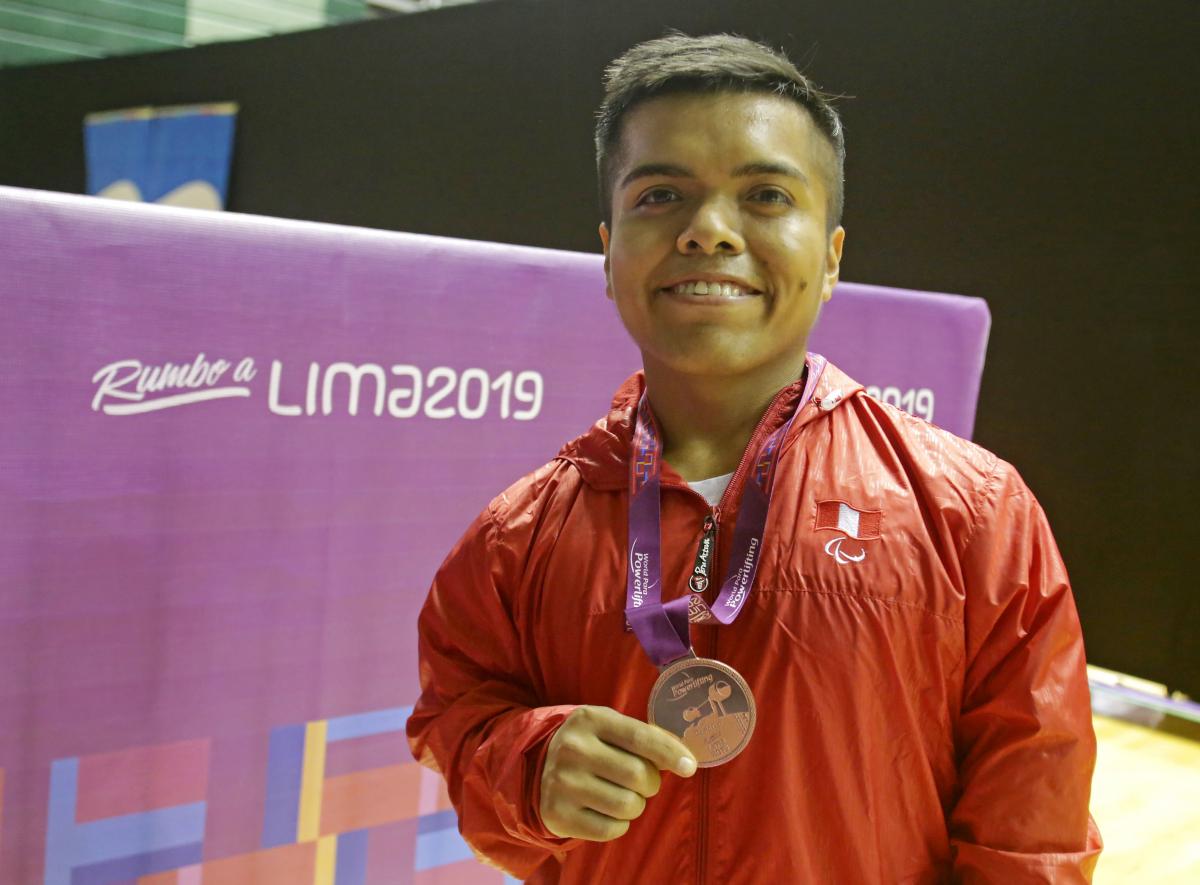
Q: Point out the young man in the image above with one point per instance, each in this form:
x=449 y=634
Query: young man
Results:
x=883 y=676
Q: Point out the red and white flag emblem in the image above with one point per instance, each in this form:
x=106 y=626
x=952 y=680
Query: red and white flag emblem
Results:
x=862 y=525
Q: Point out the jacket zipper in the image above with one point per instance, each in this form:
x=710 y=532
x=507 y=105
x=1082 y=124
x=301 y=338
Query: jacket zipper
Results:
x=712 y=523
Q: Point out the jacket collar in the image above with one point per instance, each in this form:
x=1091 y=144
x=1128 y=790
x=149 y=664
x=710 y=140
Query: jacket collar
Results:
x=602 y=453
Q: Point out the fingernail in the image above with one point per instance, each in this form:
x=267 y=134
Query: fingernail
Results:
x=686 y=766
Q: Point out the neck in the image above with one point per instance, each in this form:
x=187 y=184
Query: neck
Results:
x=707 y=421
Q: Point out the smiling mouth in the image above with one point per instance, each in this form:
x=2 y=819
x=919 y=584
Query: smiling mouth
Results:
x=701 y=287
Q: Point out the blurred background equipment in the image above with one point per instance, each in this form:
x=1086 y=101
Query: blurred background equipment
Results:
x=40 y=31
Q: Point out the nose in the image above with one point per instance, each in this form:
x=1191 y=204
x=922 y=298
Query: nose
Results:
x=711 y=229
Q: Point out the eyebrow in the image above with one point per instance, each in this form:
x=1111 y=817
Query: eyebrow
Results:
x=670 y=170
x=763 y=168
x=648 y=170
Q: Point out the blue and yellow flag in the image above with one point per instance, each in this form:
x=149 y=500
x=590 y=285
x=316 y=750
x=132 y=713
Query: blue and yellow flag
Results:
x=178 y=156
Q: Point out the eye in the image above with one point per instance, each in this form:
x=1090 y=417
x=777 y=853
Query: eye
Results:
x=772 y=195
x=657 y=195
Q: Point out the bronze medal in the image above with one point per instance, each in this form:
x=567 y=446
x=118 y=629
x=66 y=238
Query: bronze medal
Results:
x=707 y=705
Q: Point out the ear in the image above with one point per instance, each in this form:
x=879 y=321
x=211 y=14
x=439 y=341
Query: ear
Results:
x=604 y=241
x=833 y=262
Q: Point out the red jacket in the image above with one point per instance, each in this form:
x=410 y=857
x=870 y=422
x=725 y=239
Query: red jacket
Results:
x=923 y=708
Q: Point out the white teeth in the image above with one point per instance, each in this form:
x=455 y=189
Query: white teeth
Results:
x=702 y=287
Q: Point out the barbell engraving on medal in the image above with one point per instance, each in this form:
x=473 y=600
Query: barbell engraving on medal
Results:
x=707 y=705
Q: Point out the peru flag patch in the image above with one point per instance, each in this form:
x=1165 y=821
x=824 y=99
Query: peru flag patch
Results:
x=862 y=525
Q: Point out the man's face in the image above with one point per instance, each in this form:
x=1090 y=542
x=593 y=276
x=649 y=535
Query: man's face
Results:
x=723 y=189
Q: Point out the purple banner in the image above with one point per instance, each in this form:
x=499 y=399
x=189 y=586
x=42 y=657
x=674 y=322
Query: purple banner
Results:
x=233 y=452
x=920 y=351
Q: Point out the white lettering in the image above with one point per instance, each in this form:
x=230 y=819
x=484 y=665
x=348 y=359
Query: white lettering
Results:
x=412 y=393
x=440 y=374
x=156 y=379
x=744 y=575
x=355 y=374
x=310 y=392
x=918 y=401
x=244 y=372
x=406 y=391
x=110 y=385
x=273 y=393
x=640 y=564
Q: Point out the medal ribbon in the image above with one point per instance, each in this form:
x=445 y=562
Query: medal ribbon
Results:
x=662 y=628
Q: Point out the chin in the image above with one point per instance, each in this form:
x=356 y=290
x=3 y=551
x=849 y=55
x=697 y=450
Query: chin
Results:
x=706 y=361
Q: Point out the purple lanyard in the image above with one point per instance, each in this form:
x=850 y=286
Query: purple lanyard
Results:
x=663 y=628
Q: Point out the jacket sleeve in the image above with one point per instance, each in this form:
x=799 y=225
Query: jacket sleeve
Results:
x=478 y=721
x=1025 y=743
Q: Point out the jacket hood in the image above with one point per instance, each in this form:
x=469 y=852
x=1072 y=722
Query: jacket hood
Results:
x=602 y=453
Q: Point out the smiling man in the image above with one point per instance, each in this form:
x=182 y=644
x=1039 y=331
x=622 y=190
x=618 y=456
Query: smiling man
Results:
x=753 y=626
x=724 y=245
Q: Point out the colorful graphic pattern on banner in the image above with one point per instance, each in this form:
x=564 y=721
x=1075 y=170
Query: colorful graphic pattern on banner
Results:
x=234 y=451
x=344 y=804
x=117 y=816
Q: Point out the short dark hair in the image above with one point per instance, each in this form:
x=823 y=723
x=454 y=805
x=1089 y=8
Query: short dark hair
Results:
x=680 y=64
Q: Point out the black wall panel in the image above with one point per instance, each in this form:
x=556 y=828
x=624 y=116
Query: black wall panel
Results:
x=1039 y=155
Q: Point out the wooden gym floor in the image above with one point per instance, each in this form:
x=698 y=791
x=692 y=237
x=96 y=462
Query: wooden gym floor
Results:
x=1146 y=801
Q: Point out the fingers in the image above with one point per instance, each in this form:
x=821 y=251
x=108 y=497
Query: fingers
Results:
x=609 y=799
x=657 y=746
x=576 y=803
x=586 y=807
x=626 y=770
x=594 y=826
x=575 y=748
x=600 y=768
